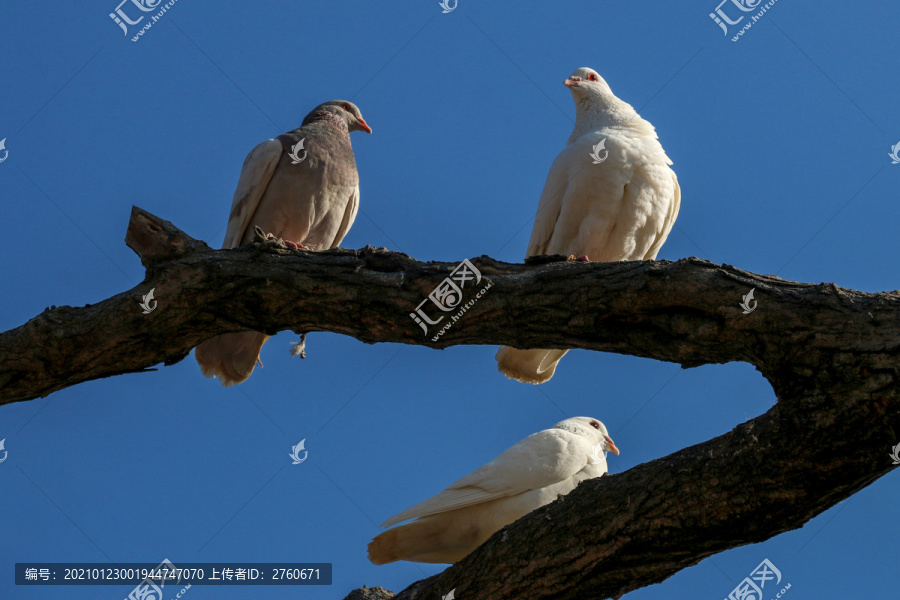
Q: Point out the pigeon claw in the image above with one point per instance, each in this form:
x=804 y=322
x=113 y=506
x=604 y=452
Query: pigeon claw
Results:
x=278 y=241
x=573 y=258
x=299 y=347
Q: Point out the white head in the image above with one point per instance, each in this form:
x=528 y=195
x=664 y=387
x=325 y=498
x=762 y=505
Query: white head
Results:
x=590 y=428
x=597 y=107
x=587 y=85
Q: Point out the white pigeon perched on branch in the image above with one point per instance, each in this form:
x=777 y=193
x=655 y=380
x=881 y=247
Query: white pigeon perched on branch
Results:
x=610 y=195
x=525 y=477
x=301 y=186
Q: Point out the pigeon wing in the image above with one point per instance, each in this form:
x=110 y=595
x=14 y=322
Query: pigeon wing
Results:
x=549 y=206
x=349 y=218
x=668 y=222
x=545 y=458
x=255 y=175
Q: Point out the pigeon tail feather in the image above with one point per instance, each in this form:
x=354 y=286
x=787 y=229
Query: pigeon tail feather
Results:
x=231 y=356
x=423 y=540
x=528 y=366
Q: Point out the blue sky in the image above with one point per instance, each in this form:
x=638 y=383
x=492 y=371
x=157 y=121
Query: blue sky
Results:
x=780 y=142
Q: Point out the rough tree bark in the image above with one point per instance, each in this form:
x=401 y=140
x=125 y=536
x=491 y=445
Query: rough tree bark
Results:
x=830 y=354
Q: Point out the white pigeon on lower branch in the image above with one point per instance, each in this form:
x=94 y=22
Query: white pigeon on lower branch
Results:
x=525 y=477
x=610 y=195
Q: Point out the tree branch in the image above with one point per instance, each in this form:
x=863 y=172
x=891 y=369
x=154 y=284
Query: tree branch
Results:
x=830 y=354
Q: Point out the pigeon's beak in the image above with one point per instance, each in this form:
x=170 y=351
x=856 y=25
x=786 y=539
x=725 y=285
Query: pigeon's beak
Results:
x=571 y=82
x=364 y=126
x=611 y=446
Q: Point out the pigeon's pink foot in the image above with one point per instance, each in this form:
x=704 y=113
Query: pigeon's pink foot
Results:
x=573 y=258
x=584 y=258
x=287 y=243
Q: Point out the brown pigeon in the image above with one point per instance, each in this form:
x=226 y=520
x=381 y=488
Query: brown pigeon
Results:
x=302 y=187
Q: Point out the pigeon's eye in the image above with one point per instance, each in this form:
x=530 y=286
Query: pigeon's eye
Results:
x=592 y=77
x=595 y=424
x=346 y=107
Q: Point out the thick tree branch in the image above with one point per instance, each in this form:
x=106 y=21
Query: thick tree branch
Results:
x=685 y=312
x=830 y=354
